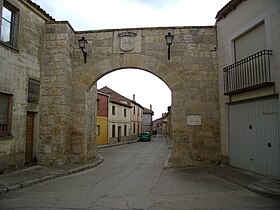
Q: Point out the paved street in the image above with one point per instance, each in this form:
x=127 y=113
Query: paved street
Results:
x=132 y=177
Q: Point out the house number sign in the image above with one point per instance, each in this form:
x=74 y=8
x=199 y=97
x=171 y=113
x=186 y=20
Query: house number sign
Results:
x=193 y=119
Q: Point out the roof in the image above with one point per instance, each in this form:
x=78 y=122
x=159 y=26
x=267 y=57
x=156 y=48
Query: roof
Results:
x=134 y=102
x=231 y=5
x=38 y=9
x=148 y=111
x=104 y=94
x=116 y=97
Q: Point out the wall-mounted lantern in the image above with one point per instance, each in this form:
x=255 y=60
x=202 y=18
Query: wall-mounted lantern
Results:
x=169 y=39
x=82 y=45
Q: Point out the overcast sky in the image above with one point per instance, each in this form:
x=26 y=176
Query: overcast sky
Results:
x=113 y=14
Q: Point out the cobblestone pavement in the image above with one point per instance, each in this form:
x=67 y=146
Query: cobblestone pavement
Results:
x=133 y=177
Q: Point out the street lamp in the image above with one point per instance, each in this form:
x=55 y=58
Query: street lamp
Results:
x=82 y=45
x=169 y=39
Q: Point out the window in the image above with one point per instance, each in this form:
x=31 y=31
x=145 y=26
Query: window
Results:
x=98 y=130
x=133 y=127
x=124 y=112
x=113 y=110
x=5 y=114
x=98 y=104
x=134 y=110
x=113 y=131
x=138 y=111
x=250 y=43
x=33 y=91
x=125 y=128
x=8 y=23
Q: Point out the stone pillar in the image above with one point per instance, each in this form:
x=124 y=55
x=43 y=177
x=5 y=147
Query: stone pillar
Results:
x=55 y=96
x=83 y=135
x=84 y=107
x=195 y=100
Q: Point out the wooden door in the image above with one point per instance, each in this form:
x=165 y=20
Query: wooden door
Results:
x=29 y=137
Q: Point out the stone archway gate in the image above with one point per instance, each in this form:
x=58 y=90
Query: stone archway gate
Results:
x=68 y=88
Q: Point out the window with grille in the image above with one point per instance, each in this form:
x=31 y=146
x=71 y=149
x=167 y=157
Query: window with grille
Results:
x=33 y=91
x=9 y=20
x=5 y=114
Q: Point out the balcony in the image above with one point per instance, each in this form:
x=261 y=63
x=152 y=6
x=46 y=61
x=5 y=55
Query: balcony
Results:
x=250 y=73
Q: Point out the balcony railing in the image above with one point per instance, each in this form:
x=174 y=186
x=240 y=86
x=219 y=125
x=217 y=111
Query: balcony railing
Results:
x=247 y=74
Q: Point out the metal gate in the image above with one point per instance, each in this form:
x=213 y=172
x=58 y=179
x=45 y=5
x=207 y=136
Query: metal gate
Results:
x=254 y=136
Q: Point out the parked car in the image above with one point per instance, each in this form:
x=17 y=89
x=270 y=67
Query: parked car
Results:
x=144 y=136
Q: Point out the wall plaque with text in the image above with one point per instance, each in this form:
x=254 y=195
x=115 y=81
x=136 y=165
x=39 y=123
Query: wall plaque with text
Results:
x=193 y=119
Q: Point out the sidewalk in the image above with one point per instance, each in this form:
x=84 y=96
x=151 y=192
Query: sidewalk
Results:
x=256 y=182
x=39 y=173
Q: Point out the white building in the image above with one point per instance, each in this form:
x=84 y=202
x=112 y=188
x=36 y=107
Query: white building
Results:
x=136 y=118
x=119 y=116
x=148 y=120
x=248 y=34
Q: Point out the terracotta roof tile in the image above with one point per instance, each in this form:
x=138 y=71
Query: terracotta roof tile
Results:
x=39 y=9
x=231 y=5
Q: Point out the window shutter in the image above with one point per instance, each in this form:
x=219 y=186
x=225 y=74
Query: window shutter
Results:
x=250 y=43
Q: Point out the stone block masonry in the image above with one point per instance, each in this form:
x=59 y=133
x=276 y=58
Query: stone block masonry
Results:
x=65 y=116
x=70 y=90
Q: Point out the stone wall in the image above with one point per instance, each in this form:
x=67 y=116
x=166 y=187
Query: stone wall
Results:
x=56 y=99
x=191 y=74
x=68 y=106
x=17 y=65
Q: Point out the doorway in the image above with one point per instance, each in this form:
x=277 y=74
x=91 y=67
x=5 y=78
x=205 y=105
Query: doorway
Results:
x=29 y=145
x=254 y=136
x=119 y=133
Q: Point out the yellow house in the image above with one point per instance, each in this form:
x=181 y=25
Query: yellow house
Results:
x=102 y=118
x=102 y=130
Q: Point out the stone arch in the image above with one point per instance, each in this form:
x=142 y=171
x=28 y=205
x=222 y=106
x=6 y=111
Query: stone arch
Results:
x=135 y=61
x=67 y=88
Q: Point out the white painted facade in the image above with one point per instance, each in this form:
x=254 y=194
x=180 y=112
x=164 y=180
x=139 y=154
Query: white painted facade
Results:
x=233 y=27
x=119 y=122
x=147 y=120
x=136 y=119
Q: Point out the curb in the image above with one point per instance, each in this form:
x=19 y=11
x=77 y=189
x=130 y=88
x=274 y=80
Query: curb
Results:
x=255 y=187
x=99 y=159
x=17 y=186
x=116 y=144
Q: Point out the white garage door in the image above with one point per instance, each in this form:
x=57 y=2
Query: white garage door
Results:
x=254 y=136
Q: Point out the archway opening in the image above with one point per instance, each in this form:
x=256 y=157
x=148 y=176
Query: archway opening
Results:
x=131 y=101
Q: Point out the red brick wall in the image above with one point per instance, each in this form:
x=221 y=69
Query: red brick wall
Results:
x=103 y=105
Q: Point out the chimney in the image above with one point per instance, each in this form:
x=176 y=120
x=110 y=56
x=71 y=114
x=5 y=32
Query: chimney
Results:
x=151 y=108
x=133 y=97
